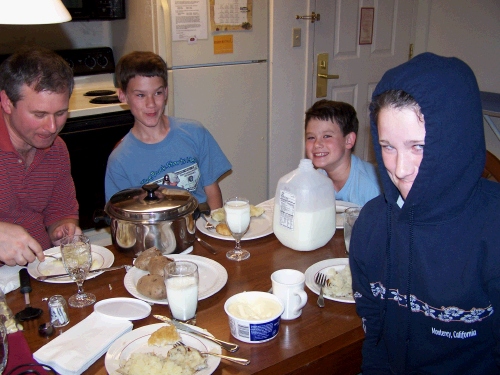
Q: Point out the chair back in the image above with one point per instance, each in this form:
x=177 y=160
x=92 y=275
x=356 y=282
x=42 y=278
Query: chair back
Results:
x=492 y=167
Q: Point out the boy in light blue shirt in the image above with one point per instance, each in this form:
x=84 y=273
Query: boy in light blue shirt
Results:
x=331 y=130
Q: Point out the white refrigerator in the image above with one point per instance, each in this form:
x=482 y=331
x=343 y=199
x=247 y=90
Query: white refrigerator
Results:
x=228 y=93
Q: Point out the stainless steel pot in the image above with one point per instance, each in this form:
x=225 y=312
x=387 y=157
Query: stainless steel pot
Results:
x=153 y=215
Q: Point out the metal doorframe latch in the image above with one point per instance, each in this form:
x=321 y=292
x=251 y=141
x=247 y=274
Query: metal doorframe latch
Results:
x=313 y=17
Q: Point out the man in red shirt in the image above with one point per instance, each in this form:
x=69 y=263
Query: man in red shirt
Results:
x=37 y=196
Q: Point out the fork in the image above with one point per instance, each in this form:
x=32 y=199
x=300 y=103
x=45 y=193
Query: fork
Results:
x=240 y=361
x=208 y=225
x=320 y=279
x=56 y=257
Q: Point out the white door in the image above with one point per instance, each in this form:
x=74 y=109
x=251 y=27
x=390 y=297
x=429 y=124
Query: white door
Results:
x=360 y=67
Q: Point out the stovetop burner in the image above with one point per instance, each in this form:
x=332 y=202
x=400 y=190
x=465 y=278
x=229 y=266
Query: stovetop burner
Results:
x=94 y=92
x=107 y=99
x=99 y=92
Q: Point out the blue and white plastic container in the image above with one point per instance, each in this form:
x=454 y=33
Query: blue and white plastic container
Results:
x=254 y=317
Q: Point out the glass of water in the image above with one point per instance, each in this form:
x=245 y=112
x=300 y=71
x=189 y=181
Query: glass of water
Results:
x=77 y=260
x=350 y=216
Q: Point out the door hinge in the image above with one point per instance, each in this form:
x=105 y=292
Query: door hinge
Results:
x=410 y=52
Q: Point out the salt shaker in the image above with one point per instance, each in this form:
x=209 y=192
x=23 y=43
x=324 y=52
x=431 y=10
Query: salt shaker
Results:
x=58 y=309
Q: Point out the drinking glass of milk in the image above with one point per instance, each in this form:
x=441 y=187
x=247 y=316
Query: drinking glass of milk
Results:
x=237 y=220
x=181 y=281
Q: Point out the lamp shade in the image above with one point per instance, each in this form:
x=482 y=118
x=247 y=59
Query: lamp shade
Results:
x=32 y=12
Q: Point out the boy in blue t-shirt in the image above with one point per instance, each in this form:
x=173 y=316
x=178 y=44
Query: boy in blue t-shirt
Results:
x=159 y=148
x=331 y=130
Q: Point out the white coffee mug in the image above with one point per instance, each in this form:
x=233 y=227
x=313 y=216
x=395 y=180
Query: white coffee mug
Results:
x=288 y=286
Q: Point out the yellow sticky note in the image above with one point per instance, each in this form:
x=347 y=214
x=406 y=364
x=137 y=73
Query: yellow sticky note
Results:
x=223 y=44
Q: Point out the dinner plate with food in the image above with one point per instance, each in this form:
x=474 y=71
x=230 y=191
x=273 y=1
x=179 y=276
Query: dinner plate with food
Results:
x=261 y=223
x=101 y=258
x=341 y=206
x=151 y=347
x=146 y=279
x=339 y=284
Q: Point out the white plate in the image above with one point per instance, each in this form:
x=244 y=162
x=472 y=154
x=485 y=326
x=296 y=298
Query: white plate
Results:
x=136 y=341
x=101 y=258
x=323 y=266
x=259 y=226
x=341 y=206
x=213 y=277
x=123 y=308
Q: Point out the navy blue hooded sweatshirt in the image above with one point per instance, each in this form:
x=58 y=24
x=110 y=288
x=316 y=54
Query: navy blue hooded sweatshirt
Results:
x=426 y=276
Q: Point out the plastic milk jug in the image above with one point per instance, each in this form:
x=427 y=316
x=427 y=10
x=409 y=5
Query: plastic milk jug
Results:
x=304 y=208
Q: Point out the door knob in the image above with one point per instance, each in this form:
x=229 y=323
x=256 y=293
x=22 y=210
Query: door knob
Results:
x=313 y=17
x=322 y=76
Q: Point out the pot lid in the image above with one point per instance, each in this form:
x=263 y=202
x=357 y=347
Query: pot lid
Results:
x=151 y=203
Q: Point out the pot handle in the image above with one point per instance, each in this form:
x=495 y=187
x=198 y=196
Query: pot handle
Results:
x=202 y=209
x=101 y=215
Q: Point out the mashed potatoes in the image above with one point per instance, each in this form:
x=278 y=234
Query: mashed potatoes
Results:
x=339 y=283
x=179 y=361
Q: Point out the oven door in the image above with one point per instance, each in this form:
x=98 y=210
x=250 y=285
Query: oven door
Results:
x=90 y=140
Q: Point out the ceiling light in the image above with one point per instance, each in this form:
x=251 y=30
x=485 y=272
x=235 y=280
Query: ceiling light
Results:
x=32 y=12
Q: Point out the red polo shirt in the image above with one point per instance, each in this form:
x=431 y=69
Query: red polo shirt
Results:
x=40 y=195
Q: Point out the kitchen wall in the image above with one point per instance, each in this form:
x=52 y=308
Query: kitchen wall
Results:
x=468 y=30
x=59 y=36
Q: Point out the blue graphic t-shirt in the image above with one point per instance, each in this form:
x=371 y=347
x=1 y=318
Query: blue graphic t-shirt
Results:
x=188 y=157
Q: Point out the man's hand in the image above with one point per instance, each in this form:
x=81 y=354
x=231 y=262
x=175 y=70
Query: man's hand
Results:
x=63 y=228
x=17 y=246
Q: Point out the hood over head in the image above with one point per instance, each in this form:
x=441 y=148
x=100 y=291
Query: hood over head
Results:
x=454 y=151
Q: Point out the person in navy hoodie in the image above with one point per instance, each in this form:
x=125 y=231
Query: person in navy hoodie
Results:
x=425 y=255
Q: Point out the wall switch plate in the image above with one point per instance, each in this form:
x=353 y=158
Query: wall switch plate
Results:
x=296 y=37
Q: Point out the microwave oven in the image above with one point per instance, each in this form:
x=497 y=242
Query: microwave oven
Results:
x=88 y=10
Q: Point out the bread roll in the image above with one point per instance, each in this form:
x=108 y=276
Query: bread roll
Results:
x=223 y=229
x=256 y=211
x=218 y=214
x=167 y=335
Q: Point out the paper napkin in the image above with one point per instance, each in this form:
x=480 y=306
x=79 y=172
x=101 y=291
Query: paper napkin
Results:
x=9 y=278
x=79 y=347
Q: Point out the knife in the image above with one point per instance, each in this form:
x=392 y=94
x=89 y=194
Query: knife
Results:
x=184 y=327
x=43 y=278
x=206 y=245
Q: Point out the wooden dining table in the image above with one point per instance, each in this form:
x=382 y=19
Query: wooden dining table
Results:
x=321 y=341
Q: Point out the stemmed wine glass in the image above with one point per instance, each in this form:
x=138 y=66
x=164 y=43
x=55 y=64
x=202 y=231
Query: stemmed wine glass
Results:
x=238 y=220
x=77 y=259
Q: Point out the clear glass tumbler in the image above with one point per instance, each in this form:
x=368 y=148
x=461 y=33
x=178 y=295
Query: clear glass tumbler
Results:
x=181 y=281
x=350 y=216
